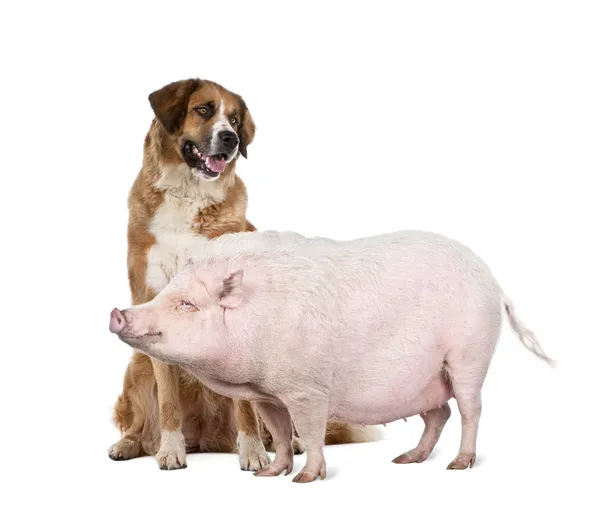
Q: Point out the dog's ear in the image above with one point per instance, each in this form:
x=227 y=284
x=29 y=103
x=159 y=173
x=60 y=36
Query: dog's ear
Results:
x=170 y=103
x=247 y=130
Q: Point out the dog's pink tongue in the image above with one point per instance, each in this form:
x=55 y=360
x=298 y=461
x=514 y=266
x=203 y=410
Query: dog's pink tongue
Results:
x=214 y=164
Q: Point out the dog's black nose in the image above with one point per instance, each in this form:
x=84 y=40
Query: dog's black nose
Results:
x=228 y=138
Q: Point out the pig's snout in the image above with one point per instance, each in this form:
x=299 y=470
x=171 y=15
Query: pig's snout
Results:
x=117 y=321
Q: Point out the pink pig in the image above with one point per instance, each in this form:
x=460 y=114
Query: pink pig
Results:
x=367 y=331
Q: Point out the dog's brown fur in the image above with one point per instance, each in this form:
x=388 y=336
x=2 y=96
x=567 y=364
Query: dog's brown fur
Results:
x=156 y=396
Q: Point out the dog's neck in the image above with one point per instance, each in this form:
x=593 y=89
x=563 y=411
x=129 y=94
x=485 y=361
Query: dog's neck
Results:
x=171 y=175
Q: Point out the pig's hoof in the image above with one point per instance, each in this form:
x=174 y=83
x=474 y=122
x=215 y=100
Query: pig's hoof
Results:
x=413 y=456
x=275 y=469
x=304 y=478
x=253 y=456
x=125 y=449
x=462 y=461
x=297 y=445
x=307 y=477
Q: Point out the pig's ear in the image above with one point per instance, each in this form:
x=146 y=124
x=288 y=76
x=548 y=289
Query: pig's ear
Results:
x=231 y=292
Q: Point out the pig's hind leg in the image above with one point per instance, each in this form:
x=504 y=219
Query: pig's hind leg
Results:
x=435 y=420
x=467 y=367
x=279 y=424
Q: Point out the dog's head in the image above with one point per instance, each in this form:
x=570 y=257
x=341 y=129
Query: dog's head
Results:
x=209 y=124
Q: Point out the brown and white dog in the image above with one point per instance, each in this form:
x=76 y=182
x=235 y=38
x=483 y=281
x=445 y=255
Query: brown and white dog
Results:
x=188 y=186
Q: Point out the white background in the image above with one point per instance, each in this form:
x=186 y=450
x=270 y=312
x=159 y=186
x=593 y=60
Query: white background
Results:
x=479 y=120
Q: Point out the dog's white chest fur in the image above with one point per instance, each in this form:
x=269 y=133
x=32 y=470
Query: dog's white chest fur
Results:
x=173 y=229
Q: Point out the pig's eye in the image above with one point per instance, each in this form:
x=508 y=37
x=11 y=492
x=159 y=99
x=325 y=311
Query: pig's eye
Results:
x=185 y=305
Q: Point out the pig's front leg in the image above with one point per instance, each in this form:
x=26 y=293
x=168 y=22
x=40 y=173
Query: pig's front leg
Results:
x=310 y=413
x=279 y=423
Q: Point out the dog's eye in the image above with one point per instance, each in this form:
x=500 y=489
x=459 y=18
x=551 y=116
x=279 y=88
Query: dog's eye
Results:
x=185 y=305
x=234 y=121
x=202 y=110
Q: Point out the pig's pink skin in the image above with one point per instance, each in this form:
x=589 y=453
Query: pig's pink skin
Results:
x=367 y=331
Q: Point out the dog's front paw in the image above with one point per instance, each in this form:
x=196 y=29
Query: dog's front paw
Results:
x=171 y=454
x=125 y=449
x=253 y=456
